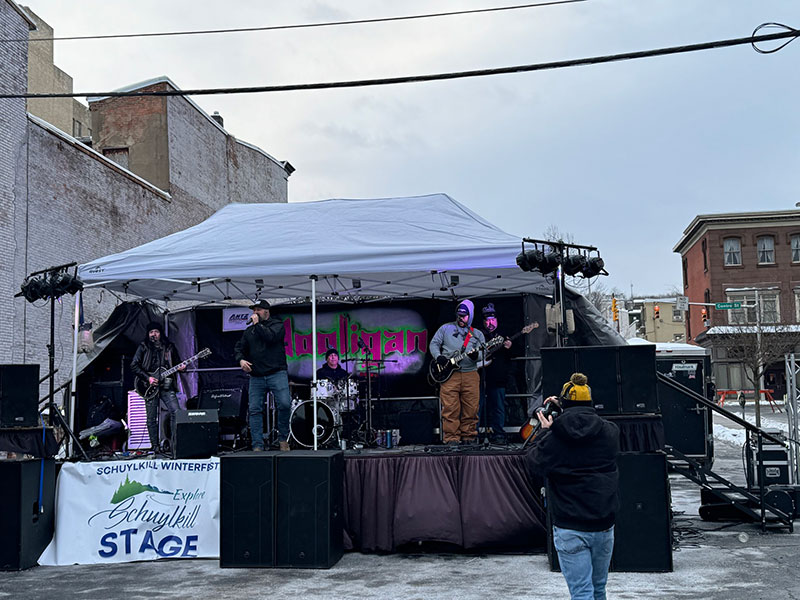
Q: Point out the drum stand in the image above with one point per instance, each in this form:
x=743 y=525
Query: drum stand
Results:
x=271 y=410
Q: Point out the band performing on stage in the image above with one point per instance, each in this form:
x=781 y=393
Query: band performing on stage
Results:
x=467 y=375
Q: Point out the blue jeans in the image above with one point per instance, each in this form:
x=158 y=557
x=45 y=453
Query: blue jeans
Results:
x=584 y=557
x=278 y=384
x=493 y=409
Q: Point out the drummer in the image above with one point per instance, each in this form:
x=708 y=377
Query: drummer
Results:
x=331 y=370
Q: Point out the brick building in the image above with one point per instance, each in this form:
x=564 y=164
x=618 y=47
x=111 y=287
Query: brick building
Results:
x=725 y=258
x=157 y=166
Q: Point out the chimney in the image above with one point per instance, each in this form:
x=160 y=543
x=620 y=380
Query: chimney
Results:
x=218 y=118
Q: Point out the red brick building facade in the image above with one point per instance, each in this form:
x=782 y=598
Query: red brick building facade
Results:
x=726 y=257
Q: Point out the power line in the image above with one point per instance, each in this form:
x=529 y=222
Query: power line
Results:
x=296 y=26
x=596 y=60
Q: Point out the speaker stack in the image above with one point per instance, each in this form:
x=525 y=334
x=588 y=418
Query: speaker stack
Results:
x=622 y=378
x=26 y=525
x=282 y=509
x=643 y=529
x=19 y=395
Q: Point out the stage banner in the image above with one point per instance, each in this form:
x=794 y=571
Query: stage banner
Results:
x=235 y=319
x=108 y=512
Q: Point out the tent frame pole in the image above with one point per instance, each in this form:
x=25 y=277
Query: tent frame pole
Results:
x=314 y=357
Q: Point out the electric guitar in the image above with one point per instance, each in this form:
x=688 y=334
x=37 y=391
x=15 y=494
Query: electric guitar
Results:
x=442 y=368
x=149 y=390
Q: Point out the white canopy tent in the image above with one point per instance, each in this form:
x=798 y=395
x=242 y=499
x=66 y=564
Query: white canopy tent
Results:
x=423 y=246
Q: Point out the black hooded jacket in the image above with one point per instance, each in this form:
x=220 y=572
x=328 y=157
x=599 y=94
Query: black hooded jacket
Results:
x=578 y=457
x=262 y=345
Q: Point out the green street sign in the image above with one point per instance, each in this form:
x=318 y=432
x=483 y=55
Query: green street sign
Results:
x=727 y=305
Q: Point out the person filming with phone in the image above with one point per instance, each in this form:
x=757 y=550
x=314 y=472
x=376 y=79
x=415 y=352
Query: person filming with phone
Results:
x=576 y=453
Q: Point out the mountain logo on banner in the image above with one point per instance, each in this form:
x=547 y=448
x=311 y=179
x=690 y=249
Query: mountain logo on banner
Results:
x=130 y=488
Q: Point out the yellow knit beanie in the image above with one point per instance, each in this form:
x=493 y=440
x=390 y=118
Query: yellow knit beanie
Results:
x=576 y=389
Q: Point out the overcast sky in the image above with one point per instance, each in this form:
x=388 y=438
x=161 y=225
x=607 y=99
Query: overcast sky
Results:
x=622 y=156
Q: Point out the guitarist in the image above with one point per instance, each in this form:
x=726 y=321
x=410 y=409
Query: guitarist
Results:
x=460 y=394
x=495 y=373
x=155 y=352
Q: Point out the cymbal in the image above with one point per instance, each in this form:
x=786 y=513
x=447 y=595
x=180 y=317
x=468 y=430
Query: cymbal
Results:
x=295 y=384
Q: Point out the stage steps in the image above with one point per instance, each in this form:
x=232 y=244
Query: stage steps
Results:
x=722 y=500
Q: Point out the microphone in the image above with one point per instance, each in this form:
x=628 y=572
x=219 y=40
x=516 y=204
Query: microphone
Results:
x=362 y=345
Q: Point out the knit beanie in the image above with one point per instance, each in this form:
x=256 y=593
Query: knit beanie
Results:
x=576 y=390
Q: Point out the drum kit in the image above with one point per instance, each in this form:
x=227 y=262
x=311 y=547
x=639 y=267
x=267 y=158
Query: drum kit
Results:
x=339 y=414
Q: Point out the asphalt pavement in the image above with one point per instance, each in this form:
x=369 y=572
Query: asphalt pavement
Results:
x=713 y=561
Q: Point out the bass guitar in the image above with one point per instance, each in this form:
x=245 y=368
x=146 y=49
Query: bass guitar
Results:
x=442 y=368
x=149 y=390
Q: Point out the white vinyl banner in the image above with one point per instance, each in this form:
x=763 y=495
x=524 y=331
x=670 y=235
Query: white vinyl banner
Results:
x=135 y=510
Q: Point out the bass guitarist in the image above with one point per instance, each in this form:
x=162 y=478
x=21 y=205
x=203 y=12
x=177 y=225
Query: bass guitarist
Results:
x=154 y=353
x=460 y=393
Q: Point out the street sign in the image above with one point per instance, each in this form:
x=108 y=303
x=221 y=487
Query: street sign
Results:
x=681 y=302
x=727 y=305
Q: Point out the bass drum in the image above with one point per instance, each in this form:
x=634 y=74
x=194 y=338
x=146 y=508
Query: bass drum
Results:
x=301 y=423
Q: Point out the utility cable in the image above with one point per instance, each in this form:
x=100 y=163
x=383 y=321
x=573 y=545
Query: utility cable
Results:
x=296 y=26
x=609 y=58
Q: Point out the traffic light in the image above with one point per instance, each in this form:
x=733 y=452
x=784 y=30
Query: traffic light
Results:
x=656 y=312
x=614 y=309
x=704 y=313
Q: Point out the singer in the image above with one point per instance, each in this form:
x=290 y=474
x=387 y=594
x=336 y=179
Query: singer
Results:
x=262 y=355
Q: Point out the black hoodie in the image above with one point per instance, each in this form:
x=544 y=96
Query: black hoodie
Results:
x=578 y=458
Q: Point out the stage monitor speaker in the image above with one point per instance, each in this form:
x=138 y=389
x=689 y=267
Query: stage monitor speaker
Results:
x=25 y=527
x=19 y=395
x=196 y=433
x=643 y=532
x=247 y=517
x=310 y=509
x=227 y=401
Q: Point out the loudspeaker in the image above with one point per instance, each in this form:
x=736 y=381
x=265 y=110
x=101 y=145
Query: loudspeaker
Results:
x=196 y=433
x=19 y=395
x=247 y=517
x=622 y=378
x=26 y=527
x=416 y=427
x=643 y=532
x=309 y=512
x=227 y=401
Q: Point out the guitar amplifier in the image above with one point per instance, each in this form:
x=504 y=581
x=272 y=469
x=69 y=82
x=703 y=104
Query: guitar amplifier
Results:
x=196 y=433
x=227 y=401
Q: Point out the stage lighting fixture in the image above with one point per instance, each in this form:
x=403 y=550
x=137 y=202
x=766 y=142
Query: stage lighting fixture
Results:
x=528 y=260
x=549 y=263
x=34 y=289
x=594 y=266
x=63 y=283
x=573 y=264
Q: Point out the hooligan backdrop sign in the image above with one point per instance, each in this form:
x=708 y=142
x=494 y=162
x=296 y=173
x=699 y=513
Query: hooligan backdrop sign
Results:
x=135 y=510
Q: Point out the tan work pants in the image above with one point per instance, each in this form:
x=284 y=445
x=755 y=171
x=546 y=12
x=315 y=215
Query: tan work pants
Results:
x=460 y=398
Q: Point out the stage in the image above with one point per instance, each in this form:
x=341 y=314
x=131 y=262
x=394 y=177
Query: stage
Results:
x=463 y=499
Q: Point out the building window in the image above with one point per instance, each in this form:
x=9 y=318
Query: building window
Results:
x=685 y=274
x=704 y=247
x=795 y=248
x=76 y=128
x=769 y=308
x=732 y=248
x=766 y=250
